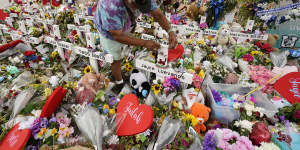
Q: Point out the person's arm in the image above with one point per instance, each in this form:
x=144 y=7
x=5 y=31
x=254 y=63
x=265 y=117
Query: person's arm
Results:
x=164 y=23
x=125 y=39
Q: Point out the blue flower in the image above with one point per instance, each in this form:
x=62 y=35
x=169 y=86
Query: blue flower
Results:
x=105 y=111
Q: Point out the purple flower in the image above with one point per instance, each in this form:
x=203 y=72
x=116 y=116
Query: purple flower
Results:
x=31 y=147
x=281 y=118
x=43 y=122
x=112 y=101
x=53 y=119
x=184 y=142
x=217 y=96
x=209 y=142
x=35 y=127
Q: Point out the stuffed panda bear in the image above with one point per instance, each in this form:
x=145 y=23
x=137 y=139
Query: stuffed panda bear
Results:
x=139 y=83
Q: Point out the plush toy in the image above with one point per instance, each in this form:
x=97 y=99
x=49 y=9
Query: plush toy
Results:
x=201 y=112
x=223 y=38
x=88 y=86
x=139 y=83
x=271 y=41
x=193 y=11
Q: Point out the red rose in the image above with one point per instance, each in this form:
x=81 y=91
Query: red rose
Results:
x=260 y=133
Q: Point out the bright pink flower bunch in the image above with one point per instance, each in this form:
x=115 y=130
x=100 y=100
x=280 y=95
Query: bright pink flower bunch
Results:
x=197 y=81
x=231 y=140
x=261 y=75
x=248 y=57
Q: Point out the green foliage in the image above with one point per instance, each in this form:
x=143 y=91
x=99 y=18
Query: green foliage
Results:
x=289 y=112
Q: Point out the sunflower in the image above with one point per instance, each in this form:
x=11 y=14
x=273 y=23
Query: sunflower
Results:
x=87 y=69
x=201 y=42
x=156 y=88
x=53 y=54
x=128 y=67
x=151 y=54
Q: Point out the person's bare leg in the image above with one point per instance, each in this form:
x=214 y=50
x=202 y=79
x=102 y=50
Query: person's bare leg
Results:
x=117 y=74
x=116 y=70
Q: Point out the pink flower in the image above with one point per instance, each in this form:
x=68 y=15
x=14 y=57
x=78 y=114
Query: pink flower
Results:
x=248 y=58
x=197 y=80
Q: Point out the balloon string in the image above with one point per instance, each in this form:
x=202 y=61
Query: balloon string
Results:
x=261 y=86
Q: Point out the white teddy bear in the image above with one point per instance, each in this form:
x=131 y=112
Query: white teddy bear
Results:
x=223 y=38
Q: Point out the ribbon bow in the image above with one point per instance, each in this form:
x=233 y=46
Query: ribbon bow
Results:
x=217 y=6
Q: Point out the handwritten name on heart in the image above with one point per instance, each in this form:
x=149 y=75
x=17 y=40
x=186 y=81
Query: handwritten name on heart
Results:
x=289 y=87
x=132 y=117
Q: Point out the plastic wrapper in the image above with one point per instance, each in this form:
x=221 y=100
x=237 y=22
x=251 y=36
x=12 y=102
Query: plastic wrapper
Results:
x=73 y=57
x=226 y=114
x=61 y=53
x=21 y=101
x=22 y=80
x=279 y=59
x=167 y=133
x=227 y=62
x=150 y=100
x=7 y=53
x=94 y=65
x=164 y=99
x=197 y=145
x=243 y=65
x=90 y=123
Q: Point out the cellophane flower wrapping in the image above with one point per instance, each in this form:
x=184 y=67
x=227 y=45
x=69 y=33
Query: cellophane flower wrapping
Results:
x=22 y=80
x=279 y=59
x=167 y=132
x=90 y=123
x=22 y=100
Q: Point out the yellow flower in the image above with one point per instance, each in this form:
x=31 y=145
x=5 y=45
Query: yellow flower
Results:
x=105 y=106
x=53 y=131
x=47 y=92
x=201 y=42
x=111 y=111
x=44 y=130
x=151 y=54
x=175 y=104
x=155 y=108
x=268 y=60
x=3 y=68
x=212 y=56
x=188 y=42
x=202 y=74
x=194 y=121
x=87 y=69
x=40 y=134
x=44 y=82
x=76 y=36
x=257 y=53
x=156 y=88
x=53 y=54
x=35 y=85
x=197 y=90
x=128 y=67
x=189 y=117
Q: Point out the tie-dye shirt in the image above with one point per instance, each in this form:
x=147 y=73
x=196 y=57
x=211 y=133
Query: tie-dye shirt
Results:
x=113 y=15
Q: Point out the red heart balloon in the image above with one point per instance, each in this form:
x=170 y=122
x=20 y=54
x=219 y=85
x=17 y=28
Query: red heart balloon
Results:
x=3 y=15
x=289 y=87
x=132 y=117
x=176 y=53
x=15 y=139
x=53 y=102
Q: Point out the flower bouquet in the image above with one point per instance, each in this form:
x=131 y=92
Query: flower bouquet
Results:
x=226 y=139
x=165 y=92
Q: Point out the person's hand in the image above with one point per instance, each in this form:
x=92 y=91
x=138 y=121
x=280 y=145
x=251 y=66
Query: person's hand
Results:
x=151 y=45
x=172 y=40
